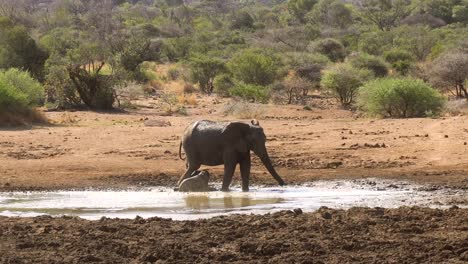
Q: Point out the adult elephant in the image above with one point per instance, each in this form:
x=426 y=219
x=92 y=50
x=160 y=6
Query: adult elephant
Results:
x=229 y=143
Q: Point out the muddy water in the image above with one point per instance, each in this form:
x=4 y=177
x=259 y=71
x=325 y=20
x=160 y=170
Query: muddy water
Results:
x=163 y=202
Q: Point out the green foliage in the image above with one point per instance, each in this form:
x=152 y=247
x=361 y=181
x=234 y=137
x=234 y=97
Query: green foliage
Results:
x=343 y=81
x=223 y=83
x=460 y=12
x=329 y=47
x=242 y=20
x=204 y=69
x=131 y=51
x=299 y=8
x=400 y=98
x=18 y=91
x=19 y=50
x=384 y=14
x=331 y=13
x=400 y=60
x=252 y=92
x=173 y=73
x=307 y=65
x=58 y=86
x=372 y=63
x=255 y=66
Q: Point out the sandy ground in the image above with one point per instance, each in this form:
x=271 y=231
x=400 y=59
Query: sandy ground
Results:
x=140 y=148
x=115 y=150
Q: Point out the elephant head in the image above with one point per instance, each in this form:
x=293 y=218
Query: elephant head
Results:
x=250 y=137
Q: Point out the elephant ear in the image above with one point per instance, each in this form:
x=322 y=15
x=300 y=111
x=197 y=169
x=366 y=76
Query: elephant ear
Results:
x=235 y=134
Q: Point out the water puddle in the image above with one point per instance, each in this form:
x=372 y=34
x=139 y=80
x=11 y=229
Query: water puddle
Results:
x=163 y=202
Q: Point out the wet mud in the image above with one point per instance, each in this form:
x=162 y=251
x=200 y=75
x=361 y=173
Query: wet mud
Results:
x=357 y=235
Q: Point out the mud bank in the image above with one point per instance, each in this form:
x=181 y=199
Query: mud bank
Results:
x=357 y=235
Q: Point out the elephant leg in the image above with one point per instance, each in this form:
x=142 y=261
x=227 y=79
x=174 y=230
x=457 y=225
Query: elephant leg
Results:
x=229 y=169
x=190 y=169
x=245 y=172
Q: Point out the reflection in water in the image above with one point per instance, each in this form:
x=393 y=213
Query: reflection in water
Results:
x=203 y=201
x=183 y=206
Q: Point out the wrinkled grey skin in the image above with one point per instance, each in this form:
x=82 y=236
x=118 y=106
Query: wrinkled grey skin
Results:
x=229 y=143
x=198 y=182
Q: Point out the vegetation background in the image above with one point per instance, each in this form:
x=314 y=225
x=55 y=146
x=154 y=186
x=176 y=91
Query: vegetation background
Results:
x=100 y=54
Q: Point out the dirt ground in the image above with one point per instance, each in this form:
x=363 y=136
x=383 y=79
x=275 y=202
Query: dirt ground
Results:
x=140 y=148
x=357 y=235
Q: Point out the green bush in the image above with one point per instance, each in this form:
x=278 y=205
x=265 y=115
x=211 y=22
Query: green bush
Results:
x=400 y=98
x=343 y=81
x=372 y=63
x=19 y=92
x=400 y=60
x=223 y=83
x=256 y=93
x=203 y=71
x=255 y=66
x=329 y=47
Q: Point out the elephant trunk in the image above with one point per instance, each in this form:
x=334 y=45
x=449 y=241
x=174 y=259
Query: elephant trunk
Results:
x=263 y=155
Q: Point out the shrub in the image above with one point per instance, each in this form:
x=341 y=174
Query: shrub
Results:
x=401 y=60
x=254 y=66
x=189 y=88
x=24 y=83
x=204 y=69
x=291 y=90
x=372 y=63
x=256 y=93
x=307 y=65
x=59 y=88
x=329 y=47
x=173 y=73
x=19 y=93
x=343 y=81
x=223 y=84
x=400 y=98
x=450 y=72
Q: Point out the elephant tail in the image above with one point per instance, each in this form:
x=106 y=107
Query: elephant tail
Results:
x=180 y=151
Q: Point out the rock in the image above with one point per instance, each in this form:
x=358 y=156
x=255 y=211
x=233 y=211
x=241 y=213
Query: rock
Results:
x=297 y=211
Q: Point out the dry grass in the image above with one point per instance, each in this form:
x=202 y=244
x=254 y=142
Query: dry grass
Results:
x=34 y=116
x=243 y=110
x=187 y=99
x=66 y=118
x=457 y=107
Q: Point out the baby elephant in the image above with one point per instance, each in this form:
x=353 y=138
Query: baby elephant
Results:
x=198 y=182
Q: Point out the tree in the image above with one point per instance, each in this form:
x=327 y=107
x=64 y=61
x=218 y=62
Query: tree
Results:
x=94 y=86
x=307 y=66
x=19 y=50
x=299 y=8
x=385 y=14
x=204 y=69
x=255 y=66
x=343 y=81
x=130 y=50
x=331 y=13
x=295 y=88
x=450 y=72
